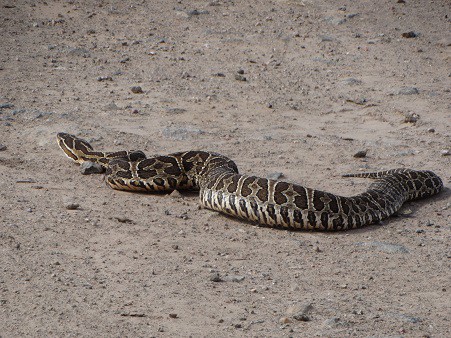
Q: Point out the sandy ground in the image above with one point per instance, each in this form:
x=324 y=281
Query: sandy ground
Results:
x=291 y=87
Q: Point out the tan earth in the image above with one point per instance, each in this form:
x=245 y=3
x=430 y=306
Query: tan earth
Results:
x=291 y=87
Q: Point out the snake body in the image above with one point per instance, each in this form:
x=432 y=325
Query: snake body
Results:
x=264 y=201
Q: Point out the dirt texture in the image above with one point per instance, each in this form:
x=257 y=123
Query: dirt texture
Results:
x=287 y=88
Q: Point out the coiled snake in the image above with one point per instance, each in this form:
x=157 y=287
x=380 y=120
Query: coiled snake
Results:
x=265 y=201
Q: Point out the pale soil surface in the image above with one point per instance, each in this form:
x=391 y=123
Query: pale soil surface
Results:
x=324 y=80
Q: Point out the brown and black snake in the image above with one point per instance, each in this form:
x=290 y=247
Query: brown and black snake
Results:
x=264 y=201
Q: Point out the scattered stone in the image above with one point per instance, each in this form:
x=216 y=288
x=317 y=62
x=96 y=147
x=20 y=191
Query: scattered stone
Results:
x=408 y=91
x=343 y=286
x=429 y=223
x=219 y=74
x=285 y=320
x=360 y=154
x=79 y=52
x=26 y=180
x=122 y=219
x=240 y=77
x=420 y=231
x=275 y=176
x=215 y=277
x=385 y=247
x=335 y=20
x=72 y=206
x=409 y=35
x=175 y=110
x=316 y=248
x=404 y=212
x=6 y=105
x=173 y=315
x=334 y=322
x=411 y=117
x=233 y=278
x=2 y=147
x=111 y=106
x=240 y=71
x=196 y=12
x=431 y=130
x=137 y=90
x=175 y=194
x=88 y=168
x=351 y=81
x=445 y=152
x=104 y=78
x=300 y=311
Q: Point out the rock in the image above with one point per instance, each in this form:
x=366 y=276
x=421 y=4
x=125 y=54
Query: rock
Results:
x=175 y=110
x=88 y=168
x=104 y=78
x=385 y=247
x=300 y=311
x=6 y=105
x=72 y=206
x=409 y=35
x=240 y=71
x=137 y=90
x=240 y=77
x=175 y=194
x=215 y=277
x=431 y=130
x=2 y=147
x=335 y=322
x=110 y=106
x=79 y=52
x=445 y=152
x=123 y=219
x=360 y=154
x=275 y=176
x=351 y=82
x=233 y=278
x=284 y=320
x=411 y=117
x=173 y=315
x=407 y=91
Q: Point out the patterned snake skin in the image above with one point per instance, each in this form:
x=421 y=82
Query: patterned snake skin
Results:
x=265 y=201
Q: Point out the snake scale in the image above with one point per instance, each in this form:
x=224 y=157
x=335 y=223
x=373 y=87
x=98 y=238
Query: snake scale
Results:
x=264 y=201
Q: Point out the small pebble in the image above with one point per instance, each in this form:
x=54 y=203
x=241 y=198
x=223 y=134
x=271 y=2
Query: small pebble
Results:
x=240 y=71
x=88 y=168
x=175 y=194
x=408 y=91
x=445 y=152
x=431 y=130
x=409 y=35
x=284 y=320
x=360 y=154
x=72 y=206
x=2 y=147
x=275 y=176
x=104 y=78
x=173 y=315
x=411 y=117
x=215 y=277
x=240 y=77
x=137 y=90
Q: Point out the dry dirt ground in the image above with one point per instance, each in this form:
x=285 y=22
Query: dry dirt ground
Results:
x=292 y=87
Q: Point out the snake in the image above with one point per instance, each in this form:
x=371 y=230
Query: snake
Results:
x=266 y=202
